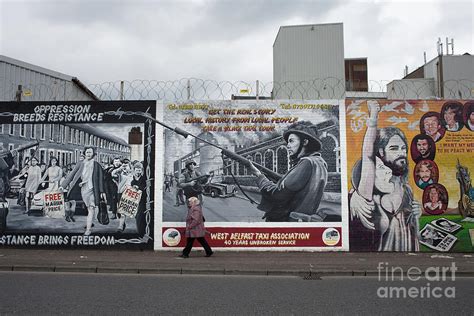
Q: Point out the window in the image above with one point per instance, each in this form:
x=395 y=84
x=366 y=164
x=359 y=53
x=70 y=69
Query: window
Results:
x=66 y=133
x=268 y=159
x=42 y=156
x=282 y=160
x=1 y=128
x=22 y=130
x=61 y=134
x=33 y=131
x=51 y=132
x=71 y=135
x=12 y=129
x=258 y=158
x=43 y=132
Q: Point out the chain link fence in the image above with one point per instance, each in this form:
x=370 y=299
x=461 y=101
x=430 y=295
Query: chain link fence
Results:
x=201 y=89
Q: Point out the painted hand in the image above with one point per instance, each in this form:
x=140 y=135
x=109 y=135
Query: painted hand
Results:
x=103 y=197
x=362 y=210
x=416 y=209
x=415 y=215
x=374 y=108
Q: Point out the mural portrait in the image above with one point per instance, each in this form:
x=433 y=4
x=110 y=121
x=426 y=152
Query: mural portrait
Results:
x=422 y=147
x=469 y=115
x=426 y=172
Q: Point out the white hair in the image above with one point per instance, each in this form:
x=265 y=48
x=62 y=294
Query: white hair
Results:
x=194 y=201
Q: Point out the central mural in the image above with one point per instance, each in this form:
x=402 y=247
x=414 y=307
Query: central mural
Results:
x=268 y=174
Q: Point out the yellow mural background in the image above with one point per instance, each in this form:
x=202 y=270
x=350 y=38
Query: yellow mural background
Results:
x=406 y=115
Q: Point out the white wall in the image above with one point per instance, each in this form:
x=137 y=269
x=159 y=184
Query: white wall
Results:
x=308 y=62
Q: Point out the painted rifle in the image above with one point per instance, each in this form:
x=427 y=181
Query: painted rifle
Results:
x=272 y=175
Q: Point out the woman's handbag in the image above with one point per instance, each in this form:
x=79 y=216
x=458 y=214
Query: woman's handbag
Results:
x=103 y=215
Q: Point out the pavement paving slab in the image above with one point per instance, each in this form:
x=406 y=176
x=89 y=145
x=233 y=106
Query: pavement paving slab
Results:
x=226 y=262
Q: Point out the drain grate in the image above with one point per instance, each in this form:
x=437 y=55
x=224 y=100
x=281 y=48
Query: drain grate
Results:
x=311 y=277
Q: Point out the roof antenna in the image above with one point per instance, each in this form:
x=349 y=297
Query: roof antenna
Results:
x=439 y=46
x=449 y=44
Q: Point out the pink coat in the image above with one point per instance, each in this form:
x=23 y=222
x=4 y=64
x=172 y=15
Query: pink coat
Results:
x=195 y=222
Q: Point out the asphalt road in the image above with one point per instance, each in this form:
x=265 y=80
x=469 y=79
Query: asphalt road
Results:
x=230 y=209
x=114 y=294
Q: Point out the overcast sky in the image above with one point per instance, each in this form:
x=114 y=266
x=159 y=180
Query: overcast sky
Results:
x=105 y=40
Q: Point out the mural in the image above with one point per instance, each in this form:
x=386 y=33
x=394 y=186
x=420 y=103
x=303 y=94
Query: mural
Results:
x=76 y=174
x=409 y=177
x=268 y=174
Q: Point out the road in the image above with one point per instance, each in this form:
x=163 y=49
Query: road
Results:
x=231 y=209
x=28 y=293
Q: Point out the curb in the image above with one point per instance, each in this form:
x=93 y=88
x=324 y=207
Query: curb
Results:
x=306 y=274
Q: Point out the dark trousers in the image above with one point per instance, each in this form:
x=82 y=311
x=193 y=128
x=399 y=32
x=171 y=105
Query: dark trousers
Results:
x=179 y=197
x=190 y=242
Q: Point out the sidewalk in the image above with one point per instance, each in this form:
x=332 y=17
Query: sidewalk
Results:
x=229 y=263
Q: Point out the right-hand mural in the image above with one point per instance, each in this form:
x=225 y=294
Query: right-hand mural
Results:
x=409 y=175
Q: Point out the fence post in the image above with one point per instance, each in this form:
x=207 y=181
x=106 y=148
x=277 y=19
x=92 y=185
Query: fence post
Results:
x=18 y=93
x=121 y=90
x=188 y=90
x=257 y=90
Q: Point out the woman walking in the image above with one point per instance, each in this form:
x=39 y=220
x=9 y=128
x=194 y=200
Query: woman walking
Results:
x=32 y=183
x=195 y=228
x=54 y=174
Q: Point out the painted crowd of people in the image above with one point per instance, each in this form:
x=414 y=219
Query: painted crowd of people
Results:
x=97 y=183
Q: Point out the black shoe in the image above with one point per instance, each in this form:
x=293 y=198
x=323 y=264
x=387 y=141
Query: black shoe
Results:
x=183 y=256
x=85 y=227
x=72 y=219
x=209 y=254
x=68 y=219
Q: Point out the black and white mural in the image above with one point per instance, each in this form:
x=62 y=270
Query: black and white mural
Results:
x=77 y=174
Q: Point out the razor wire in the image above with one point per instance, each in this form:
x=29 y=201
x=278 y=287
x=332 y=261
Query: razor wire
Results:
x=203 y=89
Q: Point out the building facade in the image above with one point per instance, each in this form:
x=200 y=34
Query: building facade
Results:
x=309 y=53
x=445 y=76
x=65 y=142
x=21 y=81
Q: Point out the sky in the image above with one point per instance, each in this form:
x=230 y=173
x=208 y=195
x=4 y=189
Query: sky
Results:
x=230 y=40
